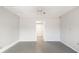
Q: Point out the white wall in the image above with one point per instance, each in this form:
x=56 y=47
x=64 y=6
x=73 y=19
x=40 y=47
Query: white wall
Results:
x=70 y=29
x=9 y=27
x=28 y=30
x=52 y=29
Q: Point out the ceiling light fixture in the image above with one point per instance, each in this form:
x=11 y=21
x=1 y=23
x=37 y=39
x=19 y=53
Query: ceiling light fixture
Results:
x=41 y=11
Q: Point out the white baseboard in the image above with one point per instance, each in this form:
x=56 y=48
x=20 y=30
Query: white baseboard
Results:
x=35 y=41
x=69 y=46
x=7 y=47
x=52 y=40
x=26 y=40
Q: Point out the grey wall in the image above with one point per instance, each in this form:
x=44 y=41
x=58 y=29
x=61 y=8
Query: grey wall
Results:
x=70 y=29
x=9 y=27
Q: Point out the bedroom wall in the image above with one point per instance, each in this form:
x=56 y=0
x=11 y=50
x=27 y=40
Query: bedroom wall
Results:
x=70 y=29
x=9 y=27
x=28 y=28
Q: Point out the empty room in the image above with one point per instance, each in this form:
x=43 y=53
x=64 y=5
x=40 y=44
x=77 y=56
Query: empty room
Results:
x=39 y=29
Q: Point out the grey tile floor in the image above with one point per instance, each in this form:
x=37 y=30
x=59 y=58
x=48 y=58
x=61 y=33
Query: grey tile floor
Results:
x=48 y=47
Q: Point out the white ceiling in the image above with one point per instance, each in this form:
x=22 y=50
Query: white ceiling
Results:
x=31 y=11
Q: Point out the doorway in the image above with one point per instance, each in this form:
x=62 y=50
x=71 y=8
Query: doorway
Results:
x=39 y=35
